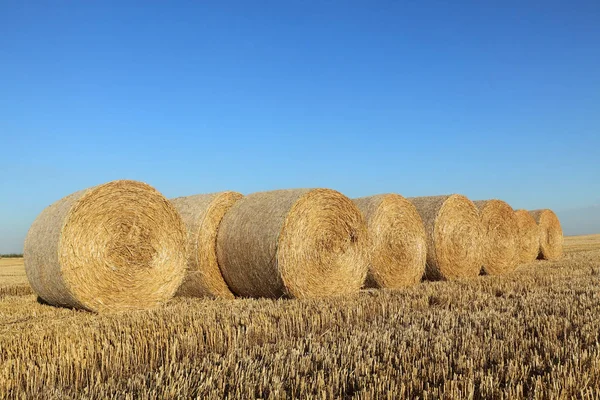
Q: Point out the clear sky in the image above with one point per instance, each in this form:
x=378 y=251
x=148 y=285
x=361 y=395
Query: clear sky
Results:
x=420 y=98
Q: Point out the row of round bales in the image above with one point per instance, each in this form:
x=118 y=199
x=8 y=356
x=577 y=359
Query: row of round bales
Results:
x=122 y=245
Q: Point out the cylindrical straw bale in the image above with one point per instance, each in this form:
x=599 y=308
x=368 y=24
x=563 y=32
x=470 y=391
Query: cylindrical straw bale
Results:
x=202 y=215
x=551 y=234
x=501 y=236
x=116 y=246
x=529 y=236
x=398 y=241
x=297 y=243
x=454 y=236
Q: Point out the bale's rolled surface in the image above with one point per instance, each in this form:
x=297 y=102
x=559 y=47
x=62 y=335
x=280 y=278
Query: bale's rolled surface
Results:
x=551 y=234
x=116 y=246
x=501 y=236
x=202 y=215
x=293 y=243
x=529 y=236
x=398 y=241
x=454 y=236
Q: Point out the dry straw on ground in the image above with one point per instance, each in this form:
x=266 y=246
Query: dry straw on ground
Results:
x=532 y=335
x=116 y=246
x=398 y=241
x=551 y=234
x=293 y=243
x=202 y=215
x=529 y=236
x=454 y=236
x=501 y=253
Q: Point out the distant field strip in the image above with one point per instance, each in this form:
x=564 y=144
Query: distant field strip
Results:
x=582 y=243
x=12 y=272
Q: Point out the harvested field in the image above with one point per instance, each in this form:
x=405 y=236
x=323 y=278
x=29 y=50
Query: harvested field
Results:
x=532 y=333
x=13 y=280
x=581 y=243
x=12 y=272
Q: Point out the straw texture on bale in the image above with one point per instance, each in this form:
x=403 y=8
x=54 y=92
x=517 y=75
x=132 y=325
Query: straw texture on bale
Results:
x=202 y=215
x=398 y=241
x=501 y=246
x=529 y=236
x=454 y=236
x=116 y=246
x=297 y=243
x=551 y=234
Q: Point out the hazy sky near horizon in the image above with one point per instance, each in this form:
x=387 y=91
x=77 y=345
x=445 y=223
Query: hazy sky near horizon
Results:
x=489 y=100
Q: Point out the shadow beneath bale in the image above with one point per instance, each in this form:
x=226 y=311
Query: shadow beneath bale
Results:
x=42 y=301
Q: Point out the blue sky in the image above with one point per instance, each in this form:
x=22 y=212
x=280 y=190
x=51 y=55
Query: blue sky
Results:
x=421 y=98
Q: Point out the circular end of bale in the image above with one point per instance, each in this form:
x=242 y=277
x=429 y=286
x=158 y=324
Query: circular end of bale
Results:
x=528 y=237
x=458 y=239
x=398 y=241
x=551 y=234
x=202 y=215
x=501 y=236
x=323 y=246
x=116 y=246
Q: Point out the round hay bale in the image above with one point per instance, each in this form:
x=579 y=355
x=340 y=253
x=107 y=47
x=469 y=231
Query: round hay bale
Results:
x=298 y=243
x=501 y=236
x=398 y=241
x=454 y=236
x=116 y=246
x=551 y=234
x=529 y=236
x=202 y=215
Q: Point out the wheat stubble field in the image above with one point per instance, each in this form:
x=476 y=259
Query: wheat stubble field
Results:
x=530 y=334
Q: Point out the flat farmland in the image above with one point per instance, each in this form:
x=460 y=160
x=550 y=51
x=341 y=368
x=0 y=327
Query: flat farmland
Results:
x=534 y=333
x=12 y=272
